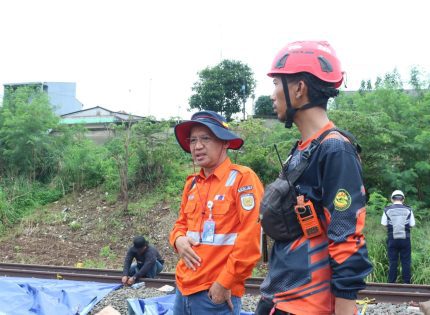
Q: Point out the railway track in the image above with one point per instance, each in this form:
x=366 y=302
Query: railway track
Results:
x=381 y=292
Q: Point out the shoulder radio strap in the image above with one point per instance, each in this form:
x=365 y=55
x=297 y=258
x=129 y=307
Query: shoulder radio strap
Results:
x=294 y=175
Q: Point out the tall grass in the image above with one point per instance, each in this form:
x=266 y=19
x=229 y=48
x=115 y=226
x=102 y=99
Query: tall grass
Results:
x=19 y=196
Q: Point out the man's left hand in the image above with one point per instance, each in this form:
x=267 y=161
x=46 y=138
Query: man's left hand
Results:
x=131 y=280
x=218 y=294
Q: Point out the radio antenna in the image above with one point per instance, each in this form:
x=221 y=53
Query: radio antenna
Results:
x=279 y=157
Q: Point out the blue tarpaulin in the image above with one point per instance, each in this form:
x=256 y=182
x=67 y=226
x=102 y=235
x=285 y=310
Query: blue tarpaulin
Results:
x=29 y=296
x=162 y=305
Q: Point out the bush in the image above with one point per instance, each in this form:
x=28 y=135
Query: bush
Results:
x=81 y=166
x=7 y=215
x=19 y=197
x=376 y=204
x=258 y=152
x=75 y=226
x=146 y=153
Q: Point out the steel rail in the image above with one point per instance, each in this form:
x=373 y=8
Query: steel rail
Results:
x=381 y=292
x=61 y=269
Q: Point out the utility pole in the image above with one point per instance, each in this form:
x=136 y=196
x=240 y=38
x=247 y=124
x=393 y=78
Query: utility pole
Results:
x=149 y=97
x=243 y=88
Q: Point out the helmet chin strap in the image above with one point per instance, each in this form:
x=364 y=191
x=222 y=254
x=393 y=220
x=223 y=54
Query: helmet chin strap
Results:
x=291 y=112
x=289 y=117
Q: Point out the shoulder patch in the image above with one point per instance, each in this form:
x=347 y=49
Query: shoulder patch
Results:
x=244 y=188
x=342 y=200
x=247 y=201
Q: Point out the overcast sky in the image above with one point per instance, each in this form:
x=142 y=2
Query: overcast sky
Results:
x=143 y=56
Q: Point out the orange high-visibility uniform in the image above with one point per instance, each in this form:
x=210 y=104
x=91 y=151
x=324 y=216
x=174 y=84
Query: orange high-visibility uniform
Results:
x=235 y=192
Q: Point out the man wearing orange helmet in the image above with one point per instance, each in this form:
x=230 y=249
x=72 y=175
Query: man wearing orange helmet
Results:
x=319 y=270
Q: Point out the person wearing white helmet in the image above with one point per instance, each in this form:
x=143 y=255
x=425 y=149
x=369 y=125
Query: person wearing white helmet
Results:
x=398 y=218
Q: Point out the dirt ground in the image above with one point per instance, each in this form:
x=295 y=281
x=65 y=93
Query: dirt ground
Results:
x=86 y=228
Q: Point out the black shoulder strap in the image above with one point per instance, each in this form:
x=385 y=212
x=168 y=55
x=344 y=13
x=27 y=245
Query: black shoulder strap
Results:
x=351 y=139
x=385 y=211
x=192 y=183
x=294 y=175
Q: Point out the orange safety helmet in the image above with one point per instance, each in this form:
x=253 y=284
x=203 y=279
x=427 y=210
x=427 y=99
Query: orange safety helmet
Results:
x=315 y=57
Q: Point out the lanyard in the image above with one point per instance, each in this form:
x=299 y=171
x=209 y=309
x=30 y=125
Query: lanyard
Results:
x=206 y=203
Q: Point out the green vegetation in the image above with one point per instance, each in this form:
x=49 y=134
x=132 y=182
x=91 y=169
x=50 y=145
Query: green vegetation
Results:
x=106 y=252
x=142 y=162
x=75 y=225
x=89 y=263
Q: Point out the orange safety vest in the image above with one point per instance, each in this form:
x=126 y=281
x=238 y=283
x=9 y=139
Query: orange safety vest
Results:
x=235 y=192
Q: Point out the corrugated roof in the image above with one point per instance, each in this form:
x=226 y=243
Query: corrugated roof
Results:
x=87 y=120
x=108 y=110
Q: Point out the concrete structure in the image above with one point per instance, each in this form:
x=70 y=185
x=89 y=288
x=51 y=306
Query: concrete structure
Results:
x=97 y=120
x=62 y=95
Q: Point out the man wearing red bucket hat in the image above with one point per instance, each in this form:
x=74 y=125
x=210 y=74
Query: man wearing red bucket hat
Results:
x=217 y=234
x=319 y=258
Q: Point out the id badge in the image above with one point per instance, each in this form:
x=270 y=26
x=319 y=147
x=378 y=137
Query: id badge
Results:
x=208 y=231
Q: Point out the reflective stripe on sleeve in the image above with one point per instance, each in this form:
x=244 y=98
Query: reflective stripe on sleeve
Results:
x=231 y=178
x=219 y=239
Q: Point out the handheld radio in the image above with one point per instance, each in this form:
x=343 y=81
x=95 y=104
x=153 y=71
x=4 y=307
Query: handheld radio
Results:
x=307 y=217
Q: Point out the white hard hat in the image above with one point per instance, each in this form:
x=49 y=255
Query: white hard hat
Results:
x=398 y=193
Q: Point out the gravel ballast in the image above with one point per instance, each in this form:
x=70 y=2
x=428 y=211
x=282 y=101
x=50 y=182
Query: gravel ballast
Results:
x=118 y=300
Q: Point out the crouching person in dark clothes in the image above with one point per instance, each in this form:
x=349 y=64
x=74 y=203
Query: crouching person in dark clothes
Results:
x=148 y=262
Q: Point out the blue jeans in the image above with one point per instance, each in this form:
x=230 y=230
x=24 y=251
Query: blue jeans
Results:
x=200 y=303
x=134 y=268
x=402 y=248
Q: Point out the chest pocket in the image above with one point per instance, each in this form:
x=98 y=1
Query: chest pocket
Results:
x=221 y=208
x=226 y=216
x=190 y=213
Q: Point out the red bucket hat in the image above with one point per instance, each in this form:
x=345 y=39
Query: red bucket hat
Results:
x=215 y=122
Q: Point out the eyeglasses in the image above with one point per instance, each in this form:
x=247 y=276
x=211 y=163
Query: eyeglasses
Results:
x=192 y=141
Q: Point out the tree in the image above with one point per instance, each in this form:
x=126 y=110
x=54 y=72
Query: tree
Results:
x=362 y=87
x=264 y=106
x=416 y=81
x=223 y=88
x=26 y=119
x=392 y=80
x=378 y=82
x=393 y=128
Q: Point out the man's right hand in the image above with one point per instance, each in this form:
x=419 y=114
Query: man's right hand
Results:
x=184 y=246
x=124 y=280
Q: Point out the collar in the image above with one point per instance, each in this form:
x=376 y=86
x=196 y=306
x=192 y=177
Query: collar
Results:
x=219 y=171
x=304 y=145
